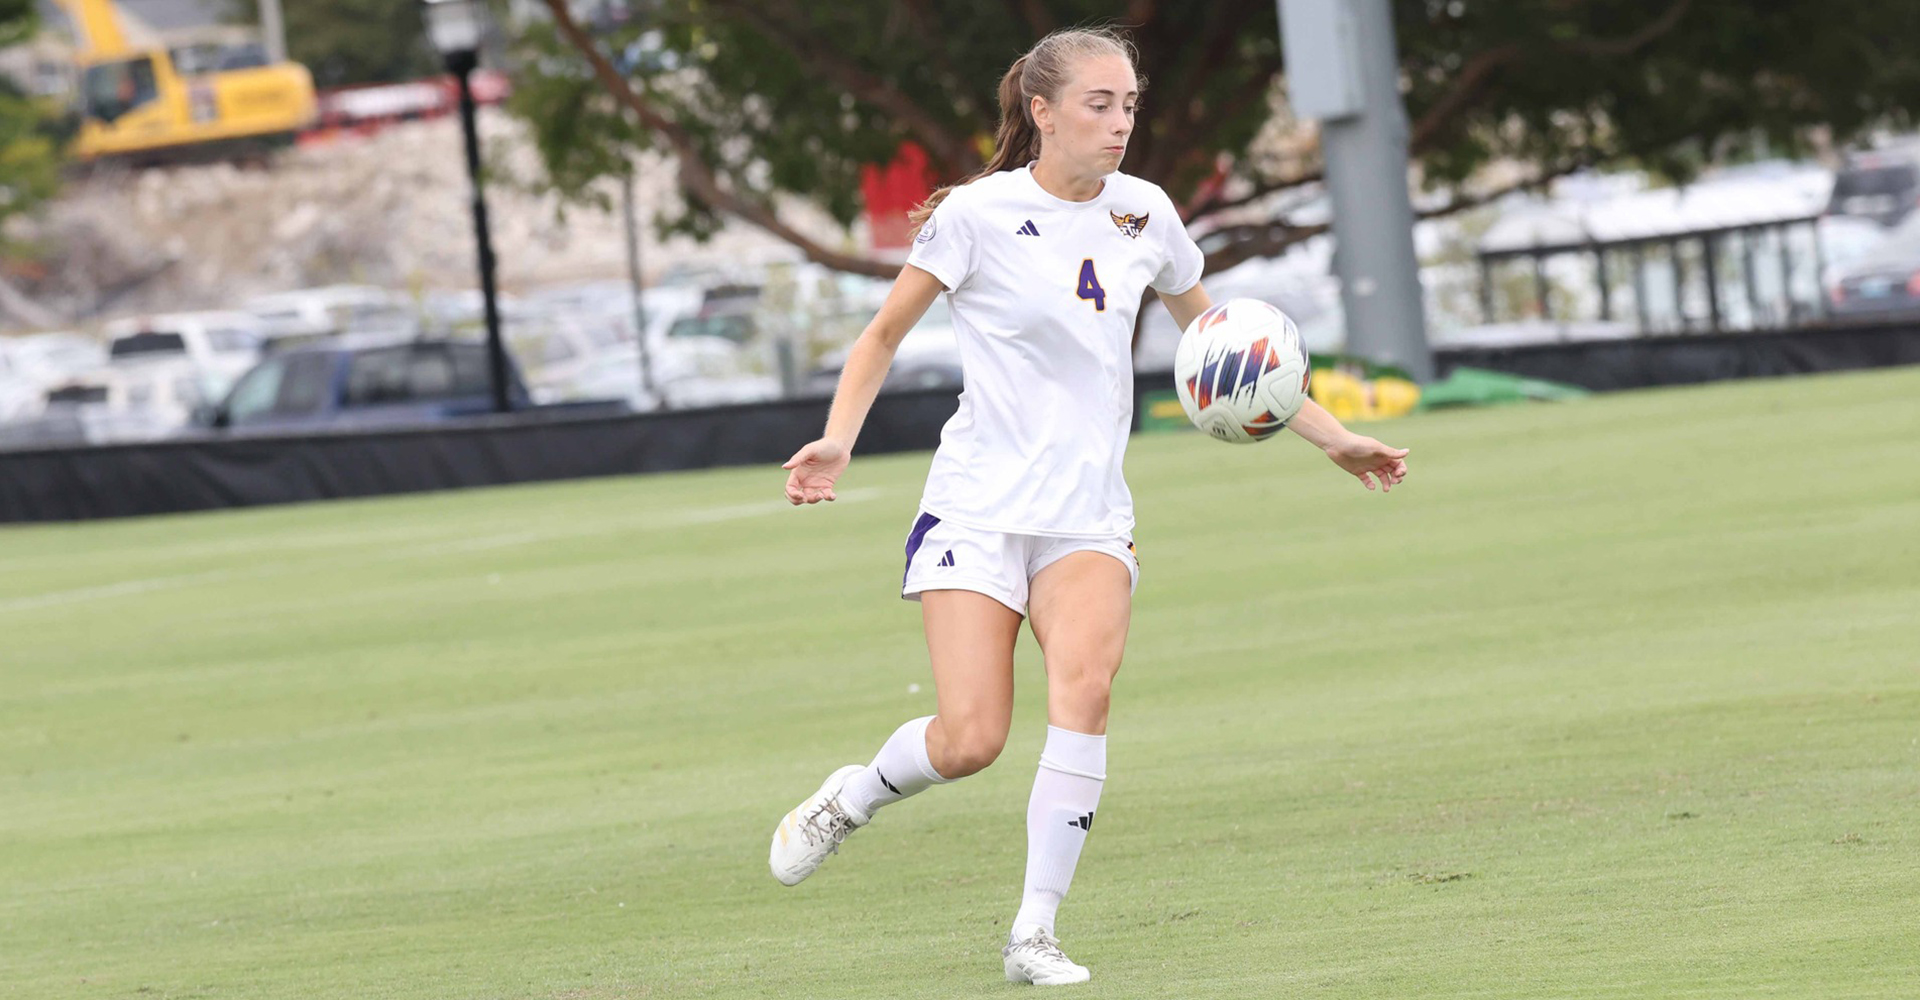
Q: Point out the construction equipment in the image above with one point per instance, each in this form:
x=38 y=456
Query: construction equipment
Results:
x=190 y=102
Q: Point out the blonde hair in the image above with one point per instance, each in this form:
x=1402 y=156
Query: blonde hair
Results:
x=1042 y=73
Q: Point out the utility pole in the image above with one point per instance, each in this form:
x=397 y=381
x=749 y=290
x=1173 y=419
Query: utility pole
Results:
x=273 y=31
x=1343 y=70
x=633 y=277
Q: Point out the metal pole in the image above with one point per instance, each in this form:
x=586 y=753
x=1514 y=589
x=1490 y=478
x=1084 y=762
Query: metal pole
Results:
x=1640 y=289
x=1486 y=290
x=633 y=277
x=273 y=31
x=1782 y=244
x=1679 y=285
x=1606 y=286
x=1540 y=288
x=1710 y=253
x=462 y=64
x=1342 y=69
x=1821 y=303
x=1754 y=307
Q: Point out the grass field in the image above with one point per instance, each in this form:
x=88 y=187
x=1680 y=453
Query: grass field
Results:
x=1617 y=698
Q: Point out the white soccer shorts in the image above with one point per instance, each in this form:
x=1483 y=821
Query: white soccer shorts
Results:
x=946 y=556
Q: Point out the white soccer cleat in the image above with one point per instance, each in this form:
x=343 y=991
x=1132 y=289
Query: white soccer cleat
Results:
x=1039 y=960
x=813 y=830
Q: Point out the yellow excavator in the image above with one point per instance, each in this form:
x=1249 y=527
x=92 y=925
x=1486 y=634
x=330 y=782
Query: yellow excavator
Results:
x=156 y=105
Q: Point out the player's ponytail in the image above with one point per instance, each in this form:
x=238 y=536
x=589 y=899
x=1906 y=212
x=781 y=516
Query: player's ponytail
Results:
x=1041 y=72
x=1018 y=139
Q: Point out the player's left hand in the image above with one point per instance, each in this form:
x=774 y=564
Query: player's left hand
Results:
x=1365 y=457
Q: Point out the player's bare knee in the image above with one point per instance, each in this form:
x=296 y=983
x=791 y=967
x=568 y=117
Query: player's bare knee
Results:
x=971 y=745
x=1080 y=684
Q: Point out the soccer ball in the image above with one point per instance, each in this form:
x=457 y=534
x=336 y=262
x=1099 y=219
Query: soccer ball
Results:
x=1241 y=371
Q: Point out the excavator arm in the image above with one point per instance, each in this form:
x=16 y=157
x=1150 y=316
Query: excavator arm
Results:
x=96 y=23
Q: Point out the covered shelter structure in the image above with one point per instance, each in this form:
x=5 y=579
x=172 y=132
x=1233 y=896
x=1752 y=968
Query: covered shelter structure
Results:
x=1727 y=256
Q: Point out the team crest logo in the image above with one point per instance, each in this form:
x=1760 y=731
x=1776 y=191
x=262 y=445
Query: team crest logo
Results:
x=1131 y=224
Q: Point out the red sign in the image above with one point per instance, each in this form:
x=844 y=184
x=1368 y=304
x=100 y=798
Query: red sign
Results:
x=893 y=190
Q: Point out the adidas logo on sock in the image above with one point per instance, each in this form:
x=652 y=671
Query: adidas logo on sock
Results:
x=884 y=781
x=1084 y=822
x=1028 y=230
x=946 y=560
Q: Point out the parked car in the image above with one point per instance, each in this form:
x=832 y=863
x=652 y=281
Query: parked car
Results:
x=559 y=351
x=927 y=358
x=366 y=312
x=34 y=363
x=715 y=356
x=321 y=386
x=221 y=345
x=1883 y=281
x=1879 y=184
x=140 y=400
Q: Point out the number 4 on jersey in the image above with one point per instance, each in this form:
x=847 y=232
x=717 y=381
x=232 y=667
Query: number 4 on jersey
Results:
x=1090 y=286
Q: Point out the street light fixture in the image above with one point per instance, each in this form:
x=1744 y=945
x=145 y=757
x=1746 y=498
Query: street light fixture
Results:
x=456 y=28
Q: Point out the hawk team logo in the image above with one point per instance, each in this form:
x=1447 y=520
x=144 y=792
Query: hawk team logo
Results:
x=1131 y=224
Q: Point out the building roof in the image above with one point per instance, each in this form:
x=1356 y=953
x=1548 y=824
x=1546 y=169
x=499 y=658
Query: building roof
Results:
x=1760 y=196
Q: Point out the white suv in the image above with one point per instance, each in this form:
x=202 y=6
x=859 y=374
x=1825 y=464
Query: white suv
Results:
x=221 y=345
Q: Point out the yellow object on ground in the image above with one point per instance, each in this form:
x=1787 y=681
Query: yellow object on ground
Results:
x=1350 y=397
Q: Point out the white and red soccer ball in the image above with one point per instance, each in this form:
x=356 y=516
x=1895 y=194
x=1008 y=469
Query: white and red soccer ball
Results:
x=1241 y=371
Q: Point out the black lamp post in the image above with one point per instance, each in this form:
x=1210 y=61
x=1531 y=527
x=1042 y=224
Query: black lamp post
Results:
x=456 y=28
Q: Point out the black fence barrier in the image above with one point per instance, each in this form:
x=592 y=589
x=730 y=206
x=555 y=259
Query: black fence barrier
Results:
x=72 y=484
x=1684 y=359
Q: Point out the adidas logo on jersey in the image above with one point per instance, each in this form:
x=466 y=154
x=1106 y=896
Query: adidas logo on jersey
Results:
x=1084 y=822
x=946 y=560
x=1027 y=230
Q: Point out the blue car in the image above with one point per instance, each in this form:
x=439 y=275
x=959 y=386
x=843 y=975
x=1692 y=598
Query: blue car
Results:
x=345 y=388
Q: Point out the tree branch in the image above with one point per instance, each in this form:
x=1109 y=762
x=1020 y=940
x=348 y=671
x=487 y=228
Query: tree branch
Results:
x=1217 y=37
x=1256 y=240
x=1462 y=203
x=1260 y=190
x=697 y=178
x=1468 y=87
x=1266 y=239
x=1478 y=73
x=957 y=156
x=1635 y=42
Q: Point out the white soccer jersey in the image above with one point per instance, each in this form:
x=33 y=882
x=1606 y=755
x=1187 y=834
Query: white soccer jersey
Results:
x=1043 y=293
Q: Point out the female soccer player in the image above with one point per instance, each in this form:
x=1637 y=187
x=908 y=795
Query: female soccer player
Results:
x=1044 y=256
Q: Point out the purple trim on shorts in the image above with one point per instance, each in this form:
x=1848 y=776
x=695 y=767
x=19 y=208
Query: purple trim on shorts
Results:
x=914 y=538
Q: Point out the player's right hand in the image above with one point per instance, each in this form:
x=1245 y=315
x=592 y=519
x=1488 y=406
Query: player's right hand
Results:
x=815 y=468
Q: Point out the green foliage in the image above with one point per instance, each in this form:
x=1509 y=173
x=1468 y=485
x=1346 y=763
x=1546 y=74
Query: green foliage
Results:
x=31 y=132
x=772 y=93
x=793 y=98
x=1662 y=85
x=19 y=20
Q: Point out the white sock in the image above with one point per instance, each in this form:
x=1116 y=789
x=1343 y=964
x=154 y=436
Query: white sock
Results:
x=1066 y=791
x=900 y=769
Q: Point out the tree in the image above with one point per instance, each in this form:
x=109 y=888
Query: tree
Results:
x=31 y=132
x=763 y=97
